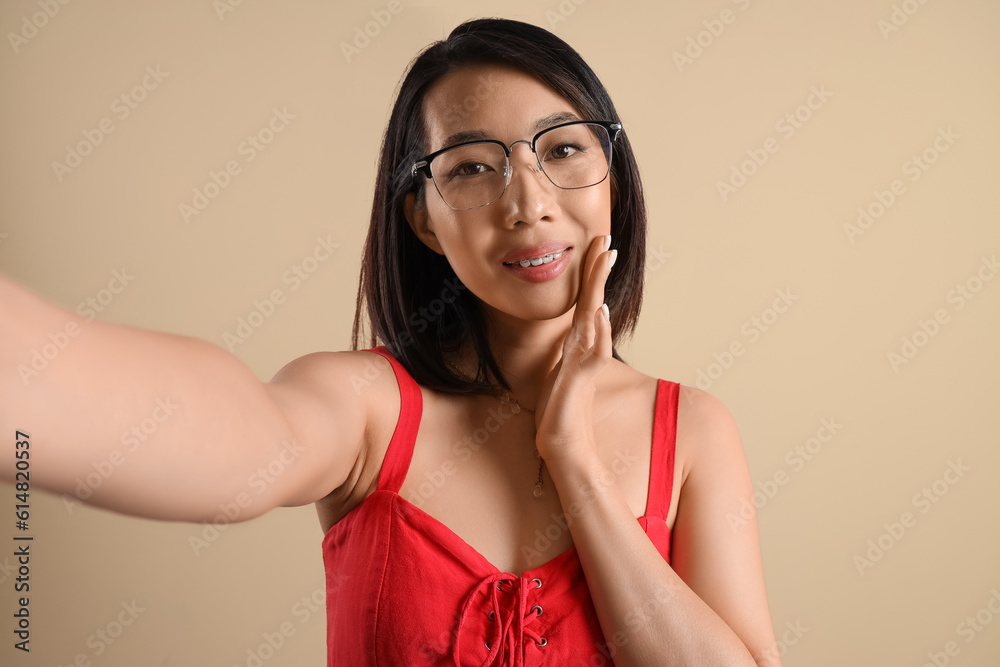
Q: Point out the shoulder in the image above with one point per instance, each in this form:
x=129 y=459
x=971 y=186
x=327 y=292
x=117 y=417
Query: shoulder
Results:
x=360 y=374
x=707 y=432
x=349 y=378
x=704 y=416
x=338 y=365
x=353 y=392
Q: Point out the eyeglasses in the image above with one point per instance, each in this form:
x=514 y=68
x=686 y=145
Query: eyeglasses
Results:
x=474 y=174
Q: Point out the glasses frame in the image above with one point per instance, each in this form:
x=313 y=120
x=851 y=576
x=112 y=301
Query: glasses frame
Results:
x=423 y=165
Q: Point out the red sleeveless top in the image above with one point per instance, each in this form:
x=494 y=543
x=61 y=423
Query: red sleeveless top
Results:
x=403 y=589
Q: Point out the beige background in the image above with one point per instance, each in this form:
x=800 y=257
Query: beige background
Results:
x=720 y=264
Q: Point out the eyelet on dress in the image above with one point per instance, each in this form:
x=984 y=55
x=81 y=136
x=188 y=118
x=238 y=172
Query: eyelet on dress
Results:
x=538 y=607
x=487 y=645
x=491 y=615
x=539 y=582
x=542 y=643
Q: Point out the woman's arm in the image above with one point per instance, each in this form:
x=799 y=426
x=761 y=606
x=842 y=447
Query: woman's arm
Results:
x=715 y=542
x=708 y=606
x=167 y=426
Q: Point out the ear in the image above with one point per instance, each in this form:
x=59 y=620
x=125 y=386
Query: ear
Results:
x=420 y=223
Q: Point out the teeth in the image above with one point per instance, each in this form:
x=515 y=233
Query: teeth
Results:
x=538 y=261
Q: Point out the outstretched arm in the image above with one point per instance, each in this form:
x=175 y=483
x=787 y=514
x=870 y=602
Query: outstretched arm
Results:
x=168 y=426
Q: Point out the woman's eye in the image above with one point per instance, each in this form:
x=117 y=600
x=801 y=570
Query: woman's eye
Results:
x=563 y=151
x=469 y=169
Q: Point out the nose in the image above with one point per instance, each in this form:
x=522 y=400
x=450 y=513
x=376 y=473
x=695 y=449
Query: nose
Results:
x=530 y=195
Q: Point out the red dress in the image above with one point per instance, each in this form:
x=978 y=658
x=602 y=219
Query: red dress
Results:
x=403 y=589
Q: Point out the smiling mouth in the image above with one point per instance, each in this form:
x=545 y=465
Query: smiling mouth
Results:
x=537 y=261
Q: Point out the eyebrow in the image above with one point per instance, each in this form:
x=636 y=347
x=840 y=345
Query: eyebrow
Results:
x=479 y=135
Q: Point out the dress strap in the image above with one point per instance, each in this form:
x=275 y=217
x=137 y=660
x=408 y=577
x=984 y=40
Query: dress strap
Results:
x=661 y=467
x=400 y=451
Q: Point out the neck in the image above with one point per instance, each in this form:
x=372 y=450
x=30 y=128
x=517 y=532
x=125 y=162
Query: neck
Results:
x=525 y=350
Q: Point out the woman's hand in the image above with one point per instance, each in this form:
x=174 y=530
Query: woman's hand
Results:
x=563 y=416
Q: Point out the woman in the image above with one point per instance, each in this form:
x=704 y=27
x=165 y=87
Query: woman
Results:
x=479 y=473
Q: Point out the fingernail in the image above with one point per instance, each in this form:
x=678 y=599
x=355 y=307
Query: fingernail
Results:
x=607 y=241
x=607 y=315
x=614 y=256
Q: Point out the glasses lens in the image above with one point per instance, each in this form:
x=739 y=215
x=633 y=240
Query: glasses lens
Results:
x=575 y=156
x=470 y=176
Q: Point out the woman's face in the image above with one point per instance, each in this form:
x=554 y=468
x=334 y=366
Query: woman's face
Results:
x=532 y=218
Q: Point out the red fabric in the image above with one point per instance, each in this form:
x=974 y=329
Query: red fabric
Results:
x=403 y=589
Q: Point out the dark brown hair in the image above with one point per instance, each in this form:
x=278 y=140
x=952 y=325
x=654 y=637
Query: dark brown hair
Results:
x=416 y=305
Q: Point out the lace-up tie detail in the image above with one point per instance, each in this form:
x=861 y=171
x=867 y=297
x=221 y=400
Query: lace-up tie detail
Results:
x=513 y=608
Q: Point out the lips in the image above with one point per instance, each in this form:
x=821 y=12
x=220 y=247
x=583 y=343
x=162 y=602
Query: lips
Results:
x=536 y=251
x=536 y=272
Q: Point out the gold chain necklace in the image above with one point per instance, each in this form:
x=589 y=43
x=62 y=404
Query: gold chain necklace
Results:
x=516 y=408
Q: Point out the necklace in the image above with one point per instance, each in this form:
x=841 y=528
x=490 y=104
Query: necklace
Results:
x=516 y=408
